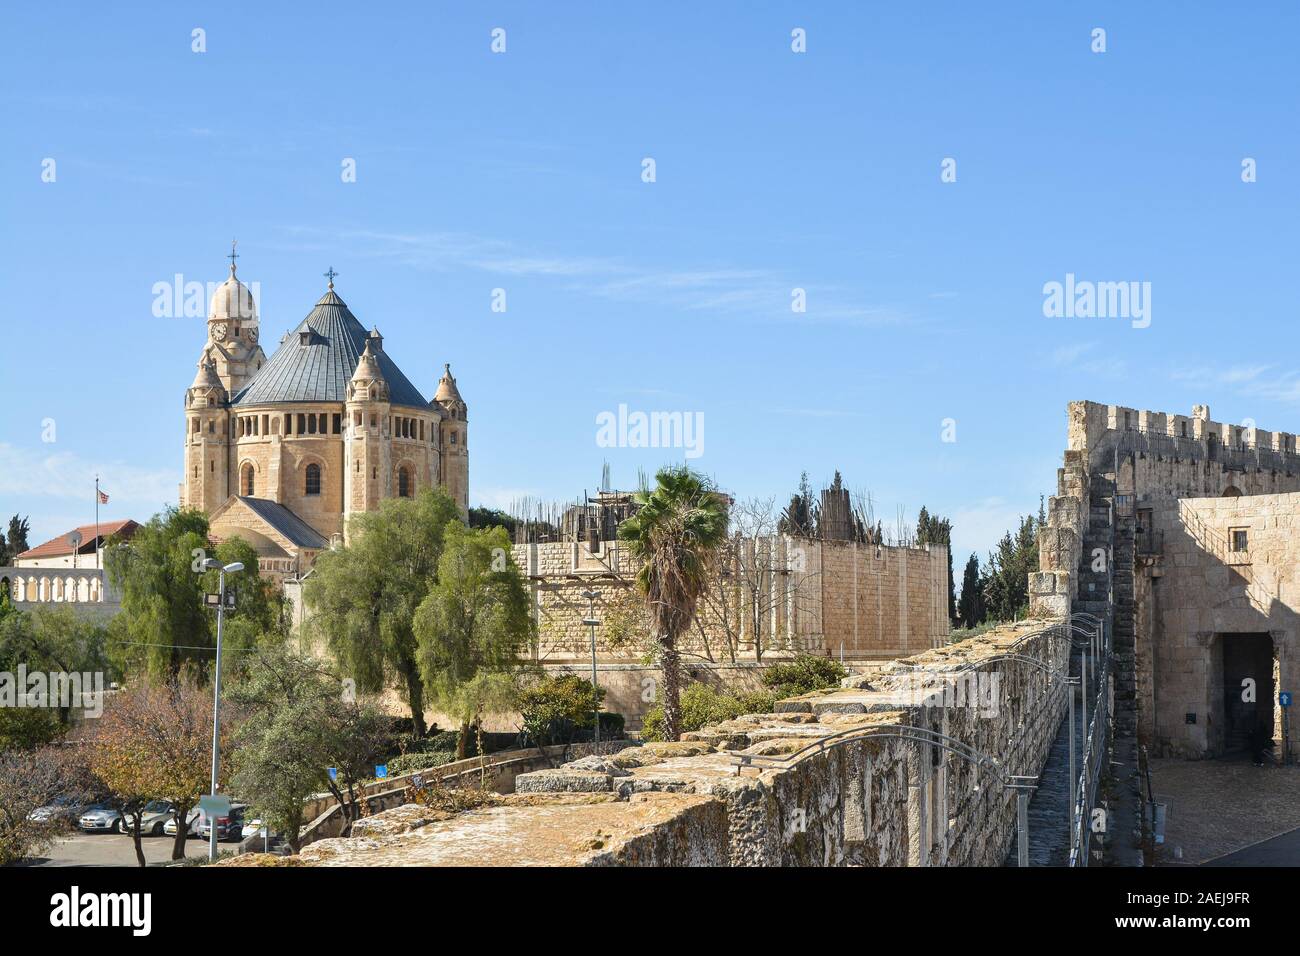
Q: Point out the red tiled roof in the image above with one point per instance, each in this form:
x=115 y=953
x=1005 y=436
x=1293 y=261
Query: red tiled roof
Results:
x=61 y=545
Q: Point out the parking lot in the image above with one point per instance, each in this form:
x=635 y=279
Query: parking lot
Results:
x=118 y=849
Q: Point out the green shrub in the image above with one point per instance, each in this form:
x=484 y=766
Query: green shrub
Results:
x=409 y=763
x=553 y=707
x=803 y=675
x=702 y=705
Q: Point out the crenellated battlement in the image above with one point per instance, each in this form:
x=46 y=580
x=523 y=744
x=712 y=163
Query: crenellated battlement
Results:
x=1091 y=421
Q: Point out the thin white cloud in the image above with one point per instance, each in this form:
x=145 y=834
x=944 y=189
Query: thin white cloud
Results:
x=754 y=293
x=57 y=490
x=61 y=475
x=1076 y=357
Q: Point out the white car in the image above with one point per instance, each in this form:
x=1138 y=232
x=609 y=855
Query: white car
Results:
x=193 y=820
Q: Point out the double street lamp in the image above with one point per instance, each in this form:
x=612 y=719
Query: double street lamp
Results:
x=211 y=564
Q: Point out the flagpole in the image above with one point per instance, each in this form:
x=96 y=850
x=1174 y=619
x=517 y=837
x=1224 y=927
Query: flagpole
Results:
x=97 y=522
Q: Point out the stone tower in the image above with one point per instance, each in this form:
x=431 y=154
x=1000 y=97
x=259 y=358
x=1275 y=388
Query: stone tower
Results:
x=232 y=344
x=207 y=440
x=367 y=450
x=454 y=463
x=230 y=358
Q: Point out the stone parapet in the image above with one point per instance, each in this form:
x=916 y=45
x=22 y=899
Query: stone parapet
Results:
x=852 y=782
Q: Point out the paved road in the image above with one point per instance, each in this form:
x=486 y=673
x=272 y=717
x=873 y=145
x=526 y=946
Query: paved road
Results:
x=1281 y=850
x=110 y=849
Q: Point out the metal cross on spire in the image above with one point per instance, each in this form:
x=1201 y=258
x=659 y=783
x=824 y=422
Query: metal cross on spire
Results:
x=330 y=275
x=233 y=255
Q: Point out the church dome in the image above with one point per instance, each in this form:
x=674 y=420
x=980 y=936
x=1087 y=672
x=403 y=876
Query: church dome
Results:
x=232 y=302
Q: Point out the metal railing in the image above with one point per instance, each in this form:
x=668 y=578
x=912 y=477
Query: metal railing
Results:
x=1094 y=683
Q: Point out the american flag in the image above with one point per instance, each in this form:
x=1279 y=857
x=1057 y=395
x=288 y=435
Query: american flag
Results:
x=103 y=498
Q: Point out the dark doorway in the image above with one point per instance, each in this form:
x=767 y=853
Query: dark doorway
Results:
x=1247 y=709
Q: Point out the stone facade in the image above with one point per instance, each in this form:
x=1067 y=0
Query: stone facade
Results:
x=816 y=597
x=1228 y=572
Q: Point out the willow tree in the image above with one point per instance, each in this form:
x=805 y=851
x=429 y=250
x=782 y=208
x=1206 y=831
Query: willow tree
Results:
x=474 y=627
x=676 y=533
x=164 y=626
x=364 y=596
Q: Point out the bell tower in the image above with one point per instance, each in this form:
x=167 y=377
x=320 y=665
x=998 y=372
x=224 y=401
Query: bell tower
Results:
x=233 y=332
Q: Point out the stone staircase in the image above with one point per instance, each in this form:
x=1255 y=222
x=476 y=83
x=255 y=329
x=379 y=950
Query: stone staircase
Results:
x=1094 y=594
x=1125 y=628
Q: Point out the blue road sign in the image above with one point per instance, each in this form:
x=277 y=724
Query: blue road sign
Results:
x=334 y=773
x=1284 y=698
x=381 y=770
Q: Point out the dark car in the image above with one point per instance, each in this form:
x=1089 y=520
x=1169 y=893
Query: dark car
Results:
x=229 y=827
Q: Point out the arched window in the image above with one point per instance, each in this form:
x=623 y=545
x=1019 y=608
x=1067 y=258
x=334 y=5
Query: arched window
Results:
x=313 y=479
x=246 y=485
x=404 y=482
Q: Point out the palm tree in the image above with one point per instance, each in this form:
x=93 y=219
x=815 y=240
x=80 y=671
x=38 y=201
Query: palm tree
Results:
x=675 y=533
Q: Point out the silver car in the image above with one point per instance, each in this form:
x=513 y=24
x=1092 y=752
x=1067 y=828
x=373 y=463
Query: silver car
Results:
x=101 y=818
x=62 y=810
x=155 y=815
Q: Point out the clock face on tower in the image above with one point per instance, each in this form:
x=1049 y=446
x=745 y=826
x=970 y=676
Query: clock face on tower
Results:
x=219 y=331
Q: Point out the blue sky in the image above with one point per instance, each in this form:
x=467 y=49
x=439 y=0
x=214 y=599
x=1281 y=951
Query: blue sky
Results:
x=775 y=170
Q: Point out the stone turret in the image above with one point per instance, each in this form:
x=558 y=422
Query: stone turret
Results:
x=367 y=450
x=454 y=439
x=207 y=439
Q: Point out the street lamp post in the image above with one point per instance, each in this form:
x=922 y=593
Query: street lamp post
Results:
x=591 y=623
x=213 y=564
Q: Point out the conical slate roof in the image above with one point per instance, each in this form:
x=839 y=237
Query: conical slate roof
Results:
x=207 y=376
x=316 y=360
x=447 y=390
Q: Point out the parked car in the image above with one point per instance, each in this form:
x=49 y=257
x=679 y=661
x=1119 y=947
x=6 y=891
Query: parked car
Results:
x=65 y=810
x=229 y=827
x=101 y=818
x=252 y=827
x=192 y=820
x=155 y=816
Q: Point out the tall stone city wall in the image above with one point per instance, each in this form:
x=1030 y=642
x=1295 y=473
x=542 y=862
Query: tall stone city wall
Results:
x=867 y=798
x=1153 y=458
x=820 y=597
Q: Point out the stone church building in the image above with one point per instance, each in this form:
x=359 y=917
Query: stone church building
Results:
x=281 y=451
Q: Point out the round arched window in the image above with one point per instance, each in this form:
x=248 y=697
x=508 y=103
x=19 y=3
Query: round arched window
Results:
x=313 y=479
x=246 y=481
x=404 y=482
